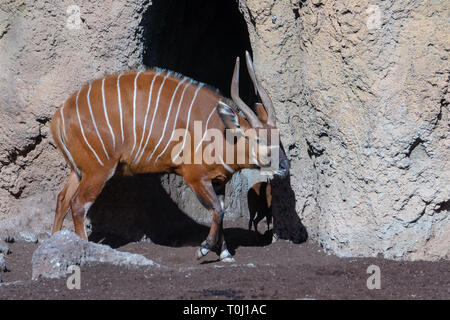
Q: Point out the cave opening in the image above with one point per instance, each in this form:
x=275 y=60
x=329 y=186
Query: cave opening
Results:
x=199 y=39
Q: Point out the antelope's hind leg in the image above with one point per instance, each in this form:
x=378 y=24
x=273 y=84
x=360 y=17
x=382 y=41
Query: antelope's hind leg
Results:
x=63 y=202
x=87 y=192
x=251 y=218
x=257 y=220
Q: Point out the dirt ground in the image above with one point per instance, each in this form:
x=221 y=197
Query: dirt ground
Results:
x=261 y=270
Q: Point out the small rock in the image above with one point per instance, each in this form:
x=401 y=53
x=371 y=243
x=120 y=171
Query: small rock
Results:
x=52 y=258
x=4 y=248
x=28 y=237
x=2 y=263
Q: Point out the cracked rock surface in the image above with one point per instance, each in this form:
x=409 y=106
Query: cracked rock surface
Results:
x=362 y=97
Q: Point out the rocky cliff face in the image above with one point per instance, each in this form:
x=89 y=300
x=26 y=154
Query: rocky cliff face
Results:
x=360 y=88
x=362 y=96
x=46 y=51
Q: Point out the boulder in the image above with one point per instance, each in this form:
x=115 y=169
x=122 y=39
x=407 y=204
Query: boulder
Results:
x=4 y=249
x=2 y=263
x=52 y=258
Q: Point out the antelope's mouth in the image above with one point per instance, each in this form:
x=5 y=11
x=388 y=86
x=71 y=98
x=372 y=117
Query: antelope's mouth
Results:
x=284 y=166
x=283 y=171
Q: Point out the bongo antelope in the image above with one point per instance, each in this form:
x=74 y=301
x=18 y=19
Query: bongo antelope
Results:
x=125 y=123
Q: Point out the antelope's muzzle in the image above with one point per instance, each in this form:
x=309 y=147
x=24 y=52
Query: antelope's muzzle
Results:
x=284 y=165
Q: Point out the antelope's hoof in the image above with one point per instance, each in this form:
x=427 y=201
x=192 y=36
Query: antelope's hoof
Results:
x=226 y=256
x=274 y=238
x=201 y=252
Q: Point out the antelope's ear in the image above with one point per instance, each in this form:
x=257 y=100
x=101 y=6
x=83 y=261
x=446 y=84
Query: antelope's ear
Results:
x=228 y=116
x=261 y=112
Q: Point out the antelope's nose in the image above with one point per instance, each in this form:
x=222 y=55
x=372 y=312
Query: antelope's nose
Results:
x=285 y=165
x=283 y=170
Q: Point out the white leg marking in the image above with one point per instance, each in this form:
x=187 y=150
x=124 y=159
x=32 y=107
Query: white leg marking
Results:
x=134 y=111
x=226 y=256
x=201 y=252
x=146 y=114
x=175 y=121
x=154 y=114
x=188 y=119
x=93 y=120
x=167 y=117
x=106 y=114
x=82 y=131
x=206 y=129
x=120 y=104
x=87 y=205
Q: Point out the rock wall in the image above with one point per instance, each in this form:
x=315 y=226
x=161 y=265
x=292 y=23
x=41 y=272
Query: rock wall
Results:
x=47 y=51
x=360 y=88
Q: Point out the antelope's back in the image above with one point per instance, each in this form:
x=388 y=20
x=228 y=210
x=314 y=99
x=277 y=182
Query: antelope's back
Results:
x=132 y=118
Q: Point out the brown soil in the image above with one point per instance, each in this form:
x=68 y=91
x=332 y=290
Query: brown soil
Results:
x=281 y=270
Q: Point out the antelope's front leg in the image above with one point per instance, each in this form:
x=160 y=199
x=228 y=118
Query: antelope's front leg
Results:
x=208 y=197
x=213 y=237
x=225 y=255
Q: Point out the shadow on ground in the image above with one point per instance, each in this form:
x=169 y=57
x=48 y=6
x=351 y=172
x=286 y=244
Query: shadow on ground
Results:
x=137 y=208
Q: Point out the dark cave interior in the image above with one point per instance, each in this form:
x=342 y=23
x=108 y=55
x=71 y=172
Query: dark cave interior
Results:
x=200 y=39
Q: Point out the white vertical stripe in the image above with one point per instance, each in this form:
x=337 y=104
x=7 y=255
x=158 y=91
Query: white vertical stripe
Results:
x=228 y=168
x=69 y=155
x=106 y=114
x=168 y=115
x=82 y=131
x=63 y=122
x=93 y=120
x=206 y=129
x=188 y=119
x=154 y=114
x=146 y=114
x=134 y=111
x=63 y=137
x=120 y=104
x=174 y=121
